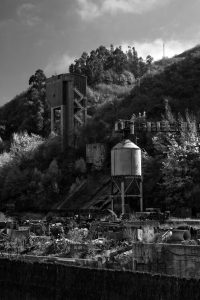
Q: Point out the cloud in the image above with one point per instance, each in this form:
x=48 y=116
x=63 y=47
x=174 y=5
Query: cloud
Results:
x=89 y=9
x=58 y=65
x=132 y=6
x=28 y=14
x=155 y=47
x=6 y=23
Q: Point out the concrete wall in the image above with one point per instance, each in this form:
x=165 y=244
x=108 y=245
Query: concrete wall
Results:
x=96 y=155
x=172 y=259
x=32 y=281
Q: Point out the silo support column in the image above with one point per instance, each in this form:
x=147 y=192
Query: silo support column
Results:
x=111 y=202
x=141 y=196
x=123 y=197
x=62 y=126
x=52 y=119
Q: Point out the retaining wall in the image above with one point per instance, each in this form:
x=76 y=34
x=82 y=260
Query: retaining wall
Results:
x=171 y=259
x=25 y=280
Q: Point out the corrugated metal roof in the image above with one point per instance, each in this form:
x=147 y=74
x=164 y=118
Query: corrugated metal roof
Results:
x=125 y=144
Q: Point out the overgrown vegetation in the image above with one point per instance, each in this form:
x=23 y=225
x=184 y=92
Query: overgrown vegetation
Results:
x=33 y=170
x=34 y=174
x=111 y=66
x=28 y=111
x=171 y=173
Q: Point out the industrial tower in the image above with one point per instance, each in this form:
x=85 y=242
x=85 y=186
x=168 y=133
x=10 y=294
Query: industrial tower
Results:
x=66 y=94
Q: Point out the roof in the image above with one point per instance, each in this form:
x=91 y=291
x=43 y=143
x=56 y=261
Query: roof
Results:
x=125 y=144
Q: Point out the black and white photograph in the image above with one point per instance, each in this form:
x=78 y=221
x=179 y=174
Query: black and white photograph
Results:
x=99 y=150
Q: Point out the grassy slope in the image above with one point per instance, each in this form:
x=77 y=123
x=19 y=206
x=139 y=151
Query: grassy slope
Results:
x=179 y=82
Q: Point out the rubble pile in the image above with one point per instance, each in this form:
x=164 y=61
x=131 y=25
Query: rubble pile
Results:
x=104 y=242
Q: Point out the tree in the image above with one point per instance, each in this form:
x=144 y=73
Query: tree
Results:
x=24 y=146
x=1 y=145
x=119 y=60
x=16 y=185
x=36 y=109
x=101 y=64
x=149 y=60
x=94 y=68
x=38 y=81
x=80 y=65
x=180 y=167
x=180 y=173
x=142 y=68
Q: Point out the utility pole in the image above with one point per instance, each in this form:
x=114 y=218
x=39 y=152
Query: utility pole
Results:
x=163 y=50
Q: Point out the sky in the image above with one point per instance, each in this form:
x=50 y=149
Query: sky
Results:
x=50 y=34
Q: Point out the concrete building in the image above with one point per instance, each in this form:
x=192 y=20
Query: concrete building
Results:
x=66 y=94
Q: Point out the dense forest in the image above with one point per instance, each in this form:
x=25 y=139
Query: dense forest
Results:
x=33 y=170
x=111 y=66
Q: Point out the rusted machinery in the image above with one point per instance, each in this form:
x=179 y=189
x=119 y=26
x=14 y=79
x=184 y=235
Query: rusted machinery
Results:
x=140 y=124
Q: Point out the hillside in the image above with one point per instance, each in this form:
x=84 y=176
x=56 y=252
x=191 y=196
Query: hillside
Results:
x=195 y=51
x=116 y=93
x=34 y=172
x=179 y=83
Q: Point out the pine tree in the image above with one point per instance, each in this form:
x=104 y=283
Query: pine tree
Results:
x=36 y=119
